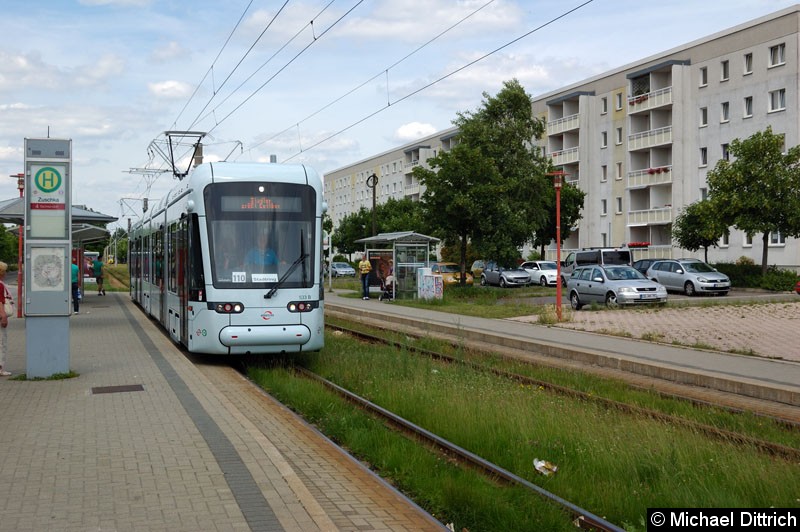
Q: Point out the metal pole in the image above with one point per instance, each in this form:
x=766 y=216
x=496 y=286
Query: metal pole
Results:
x=372 y=182
x=557 y=180
x=20 y=238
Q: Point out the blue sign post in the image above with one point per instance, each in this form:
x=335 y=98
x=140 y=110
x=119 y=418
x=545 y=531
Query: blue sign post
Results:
x=48 y=242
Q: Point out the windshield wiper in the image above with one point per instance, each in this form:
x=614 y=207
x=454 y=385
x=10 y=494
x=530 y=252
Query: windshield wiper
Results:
x=301 y=259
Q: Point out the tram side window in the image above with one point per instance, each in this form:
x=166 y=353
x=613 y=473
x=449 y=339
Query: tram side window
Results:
x=158 y=257
x=193 y=251
x=172 y=233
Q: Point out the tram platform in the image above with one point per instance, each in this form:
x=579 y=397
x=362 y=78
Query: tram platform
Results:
x=756 y=382
x=146 y=439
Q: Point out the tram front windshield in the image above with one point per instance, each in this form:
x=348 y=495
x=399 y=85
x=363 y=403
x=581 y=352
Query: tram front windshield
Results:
x=261 y=234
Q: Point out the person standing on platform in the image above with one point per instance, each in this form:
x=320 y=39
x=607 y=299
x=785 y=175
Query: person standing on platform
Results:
x=76 y=288
x=97 y=267
x=5 y=294
x=364 y=267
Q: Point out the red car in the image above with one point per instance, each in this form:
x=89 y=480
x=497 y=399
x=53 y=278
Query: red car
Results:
x=797 y=288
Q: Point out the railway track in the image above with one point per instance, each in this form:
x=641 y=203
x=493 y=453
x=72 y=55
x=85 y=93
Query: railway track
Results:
x=772 y=448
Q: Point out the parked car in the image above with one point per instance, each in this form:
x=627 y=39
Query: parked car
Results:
x=504 y=275
x=450 y=272
x=544 y=272
x=477 y=268
x=797 y=288
x=690 y=276
x=612 y=285
x=643 y=264
x=342 y=269
x=594 y=256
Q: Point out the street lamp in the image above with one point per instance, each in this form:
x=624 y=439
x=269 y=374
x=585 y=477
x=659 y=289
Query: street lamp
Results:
x=558 y=177
x=372 y=182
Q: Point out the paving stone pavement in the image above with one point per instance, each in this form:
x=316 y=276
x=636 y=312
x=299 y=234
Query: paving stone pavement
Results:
x=762 y=329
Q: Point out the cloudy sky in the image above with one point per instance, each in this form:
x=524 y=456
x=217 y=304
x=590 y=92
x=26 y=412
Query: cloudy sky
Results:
x=326 y=82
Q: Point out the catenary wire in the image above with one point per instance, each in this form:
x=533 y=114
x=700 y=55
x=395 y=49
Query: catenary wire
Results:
x=432 y=83
x=381 y=73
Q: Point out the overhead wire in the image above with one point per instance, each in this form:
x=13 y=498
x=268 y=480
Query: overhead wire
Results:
x=216 y=91
x=265 y=63
x=442 y=78
x=211 y=68
x=383 y=72
x=292 y=60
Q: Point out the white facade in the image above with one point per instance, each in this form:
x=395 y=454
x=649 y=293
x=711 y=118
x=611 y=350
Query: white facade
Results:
x=640 y=139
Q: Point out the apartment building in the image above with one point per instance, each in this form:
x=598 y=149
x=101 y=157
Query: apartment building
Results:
x=640 y=139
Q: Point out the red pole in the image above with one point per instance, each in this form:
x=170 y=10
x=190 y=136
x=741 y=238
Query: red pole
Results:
x=20 y=273
x=557 y=179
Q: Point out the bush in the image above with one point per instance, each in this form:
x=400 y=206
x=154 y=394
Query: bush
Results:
x=779 y=280
x=745 y=274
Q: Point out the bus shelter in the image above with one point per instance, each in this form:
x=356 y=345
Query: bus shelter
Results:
x=399 y=254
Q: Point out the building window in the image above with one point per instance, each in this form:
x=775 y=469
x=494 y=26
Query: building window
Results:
x=603 y=174
x=619 y=170
x=703 y=76
x=725 y=71
x=619 y=205
x=603 y=139
x=725 y=154
x=724 y=241
x=777 y=239
x=777 y=100
x=703 y=156
x=748 y=107
x=603 y=105
x=619 y=136
x=777 y=55
x=748 y=241
x=703 y=116
x=603 y=207
x=618 y=97
x=703 y=193
x=725 y=112
x=748 y=64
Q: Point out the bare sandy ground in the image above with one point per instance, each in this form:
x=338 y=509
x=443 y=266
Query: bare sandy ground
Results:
x=763 y=329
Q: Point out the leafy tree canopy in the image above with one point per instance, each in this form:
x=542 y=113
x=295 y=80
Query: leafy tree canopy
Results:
x=758 y=191
x=699 y=226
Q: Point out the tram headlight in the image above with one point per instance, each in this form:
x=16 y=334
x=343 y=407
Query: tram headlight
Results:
x=302 y=306
x=229 y=308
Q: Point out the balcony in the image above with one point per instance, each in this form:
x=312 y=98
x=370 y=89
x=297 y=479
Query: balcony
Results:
x=659 y=175
x=568 y=123
x=411 y=190
x=653 y=252
x=660 y=216
x=408 y=167
x=650 y=139
x=568 y=156
x=651 y=100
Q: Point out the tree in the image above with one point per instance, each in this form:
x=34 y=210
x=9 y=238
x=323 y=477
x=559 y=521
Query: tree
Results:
x=494 y=179
x=394 y=215
x=699 y=226
x=458 y=195
x=759 y=190
x=571 y=204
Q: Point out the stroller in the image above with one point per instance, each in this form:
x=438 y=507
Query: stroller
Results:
x=387 y=289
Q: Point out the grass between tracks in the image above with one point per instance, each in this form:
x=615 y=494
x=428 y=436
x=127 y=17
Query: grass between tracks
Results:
x=613 y=464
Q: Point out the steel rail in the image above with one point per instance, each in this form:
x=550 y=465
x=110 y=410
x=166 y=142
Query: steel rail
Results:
x=584 y=518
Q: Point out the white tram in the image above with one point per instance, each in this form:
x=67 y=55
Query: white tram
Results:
x=191 y=261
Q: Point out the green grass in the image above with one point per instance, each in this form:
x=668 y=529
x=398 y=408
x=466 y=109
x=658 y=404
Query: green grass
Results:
x=611 y=463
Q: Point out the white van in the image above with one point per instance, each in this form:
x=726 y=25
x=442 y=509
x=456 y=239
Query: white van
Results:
x=595 y=256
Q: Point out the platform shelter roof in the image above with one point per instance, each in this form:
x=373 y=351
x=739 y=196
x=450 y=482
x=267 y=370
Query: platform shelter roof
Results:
x=12 y=211
x=399 y=237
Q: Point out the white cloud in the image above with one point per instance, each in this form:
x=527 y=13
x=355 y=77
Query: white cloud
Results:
x=413 y=130
x=171 y=89
x=168 y=52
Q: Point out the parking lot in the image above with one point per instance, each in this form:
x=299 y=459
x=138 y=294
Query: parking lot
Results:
x=753 y=323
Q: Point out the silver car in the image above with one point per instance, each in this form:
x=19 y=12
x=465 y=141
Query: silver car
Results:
x=612 y=285
x=342 y=269
x=690 y=276
x=505 y=276
x=544 y=272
